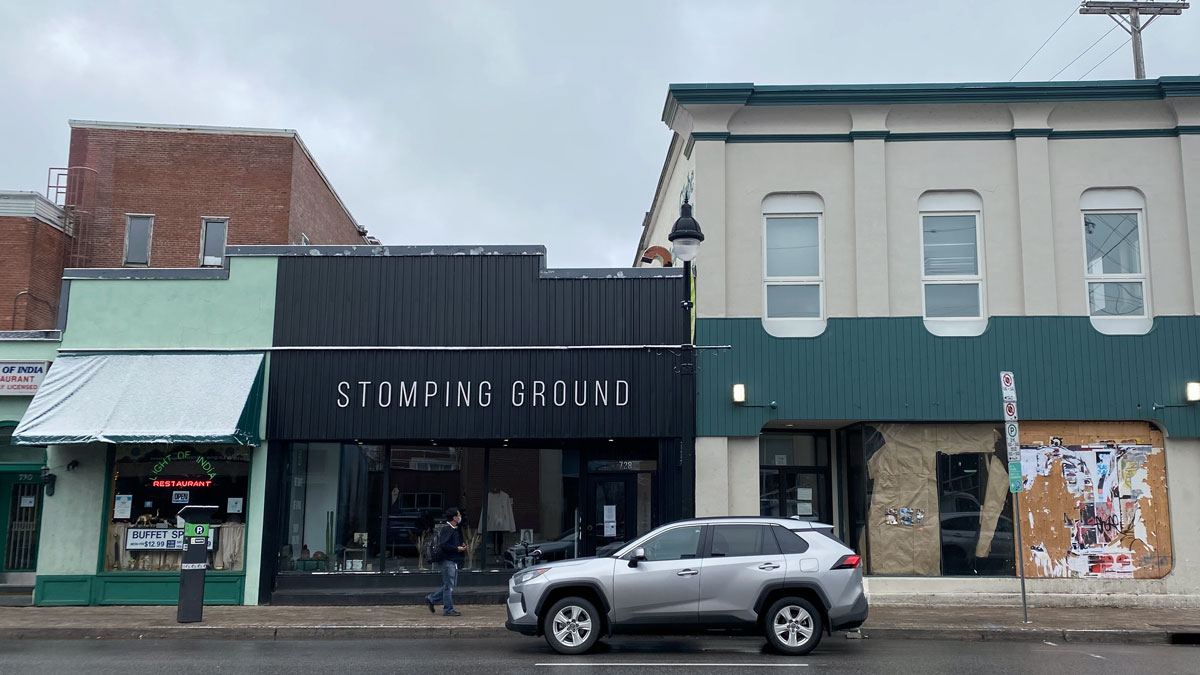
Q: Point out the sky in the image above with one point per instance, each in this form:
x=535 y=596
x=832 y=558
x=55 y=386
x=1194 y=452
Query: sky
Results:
x=504 y=121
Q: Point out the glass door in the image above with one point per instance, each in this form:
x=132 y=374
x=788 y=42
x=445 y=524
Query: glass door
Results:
x=611 y=518
x=794 y=476
x=20 y=501
x=787 y=493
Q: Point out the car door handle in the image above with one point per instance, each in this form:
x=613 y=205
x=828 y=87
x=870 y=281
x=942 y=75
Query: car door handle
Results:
x=687 y=573
x=768 y=566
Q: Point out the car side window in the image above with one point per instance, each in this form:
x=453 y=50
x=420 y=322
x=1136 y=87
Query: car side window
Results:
x=790 y=541
x=676 y=544
x=742 y=540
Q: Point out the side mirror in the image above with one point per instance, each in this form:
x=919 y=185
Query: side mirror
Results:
x=638 y=554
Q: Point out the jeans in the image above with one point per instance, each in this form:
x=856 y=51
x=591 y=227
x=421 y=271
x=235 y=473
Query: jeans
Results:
x=445 y=594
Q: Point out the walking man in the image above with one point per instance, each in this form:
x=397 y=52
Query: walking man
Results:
x=450 y=543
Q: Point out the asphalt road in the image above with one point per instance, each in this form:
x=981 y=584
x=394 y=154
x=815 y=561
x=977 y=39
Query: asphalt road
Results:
x=619 y=656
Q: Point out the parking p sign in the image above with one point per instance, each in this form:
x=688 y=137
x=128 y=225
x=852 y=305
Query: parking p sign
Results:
x=1012 y=433
x=1012 y=440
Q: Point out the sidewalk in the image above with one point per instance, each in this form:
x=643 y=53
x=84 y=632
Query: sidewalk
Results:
x=1143 y=626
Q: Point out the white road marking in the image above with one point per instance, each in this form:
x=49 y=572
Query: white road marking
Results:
x=673 y=664
x=1097 y=656
x=1047 y=642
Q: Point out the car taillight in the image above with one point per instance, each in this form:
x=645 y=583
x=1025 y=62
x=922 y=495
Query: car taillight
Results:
x=847 y=562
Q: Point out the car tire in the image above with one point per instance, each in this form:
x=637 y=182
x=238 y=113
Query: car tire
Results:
x=793 y=626
x=572 y=626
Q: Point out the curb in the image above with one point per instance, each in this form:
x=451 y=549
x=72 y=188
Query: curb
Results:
x=1019 y=634
x=201 y=632
x=253 y=633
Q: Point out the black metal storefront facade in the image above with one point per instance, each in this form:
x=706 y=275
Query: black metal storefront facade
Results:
x=483 y=348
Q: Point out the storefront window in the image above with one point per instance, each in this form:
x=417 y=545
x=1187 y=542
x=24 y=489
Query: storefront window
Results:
x=151 y=483
x=344 y=499
x=929 y=499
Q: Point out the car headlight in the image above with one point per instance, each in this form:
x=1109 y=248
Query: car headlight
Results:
x=529 y=575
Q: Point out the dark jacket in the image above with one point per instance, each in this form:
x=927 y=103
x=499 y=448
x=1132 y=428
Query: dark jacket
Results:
x=449 y=540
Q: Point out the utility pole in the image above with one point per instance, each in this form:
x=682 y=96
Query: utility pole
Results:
x=1128 y=15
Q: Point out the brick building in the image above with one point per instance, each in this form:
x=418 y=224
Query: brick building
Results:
x=142 y=195
x=34 y=243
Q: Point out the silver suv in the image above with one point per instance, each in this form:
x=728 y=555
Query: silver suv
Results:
x=788 y=579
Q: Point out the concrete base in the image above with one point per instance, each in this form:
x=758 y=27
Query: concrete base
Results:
x=997 y=592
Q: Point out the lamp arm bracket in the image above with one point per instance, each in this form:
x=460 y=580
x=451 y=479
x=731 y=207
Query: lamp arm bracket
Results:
x=1157 y=406
x=772 y=405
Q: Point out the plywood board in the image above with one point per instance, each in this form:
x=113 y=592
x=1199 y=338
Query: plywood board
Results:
x=1095 y=500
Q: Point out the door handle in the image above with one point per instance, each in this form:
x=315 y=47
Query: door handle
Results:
x=768 y=566
x=687 y=573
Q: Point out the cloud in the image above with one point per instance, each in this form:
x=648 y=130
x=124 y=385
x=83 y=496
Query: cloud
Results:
x=495 y=122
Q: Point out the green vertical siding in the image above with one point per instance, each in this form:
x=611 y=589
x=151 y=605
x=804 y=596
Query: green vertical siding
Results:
x=885 y=369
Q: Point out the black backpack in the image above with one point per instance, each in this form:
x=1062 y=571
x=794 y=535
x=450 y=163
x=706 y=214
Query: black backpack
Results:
x=433 y=544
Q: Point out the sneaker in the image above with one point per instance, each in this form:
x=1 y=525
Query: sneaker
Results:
x=451 y=613
x=429 y=604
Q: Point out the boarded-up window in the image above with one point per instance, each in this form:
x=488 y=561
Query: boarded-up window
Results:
x=1095 y=500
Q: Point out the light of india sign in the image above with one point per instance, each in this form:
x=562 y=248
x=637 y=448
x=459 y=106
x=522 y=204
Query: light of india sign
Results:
x=22 y=378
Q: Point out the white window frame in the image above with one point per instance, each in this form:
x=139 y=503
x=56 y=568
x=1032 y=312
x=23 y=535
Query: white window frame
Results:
x=1143 y=278
x=951 y=203
x=1106 y=200
x=204 y=221
x=149 y=240
x=795 y=205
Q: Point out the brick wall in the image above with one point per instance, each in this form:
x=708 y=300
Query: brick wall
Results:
x=33 y=260
x=181 y=178
x=315 y=211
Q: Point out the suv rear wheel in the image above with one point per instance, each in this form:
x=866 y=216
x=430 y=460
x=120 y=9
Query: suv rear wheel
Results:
x=793 y=626
x=572 y=626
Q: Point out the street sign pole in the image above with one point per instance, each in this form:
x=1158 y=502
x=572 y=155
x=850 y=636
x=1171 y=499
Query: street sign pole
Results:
x=1012 y=441
x=1020 y=555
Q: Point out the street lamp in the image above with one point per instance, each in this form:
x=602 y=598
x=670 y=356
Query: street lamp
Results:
x=685 y=238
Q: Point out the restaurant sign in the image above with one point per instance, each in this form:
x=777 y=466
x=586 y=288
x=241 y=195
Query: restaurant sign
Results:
x=22 y=378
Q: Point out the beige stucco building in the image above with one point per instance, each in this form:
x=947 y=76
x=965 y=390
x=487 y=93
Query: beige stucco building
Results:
x=876 y=255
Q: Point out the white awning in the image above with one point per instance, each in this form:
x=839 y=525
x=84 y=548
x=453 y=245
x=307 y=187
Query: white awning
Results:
x=147 y=398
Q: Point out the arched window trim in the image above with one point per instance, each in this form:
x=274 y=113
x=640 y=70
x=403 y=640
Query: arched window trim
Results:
x=794 y=205
x=968 y=203
x=1104 y=201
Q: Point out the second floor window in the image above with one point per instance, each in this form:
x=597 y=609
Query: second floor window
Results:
x=951 y=280
x=1115 y=275
x=138 y=230
x=793 y=267
x=212 y=242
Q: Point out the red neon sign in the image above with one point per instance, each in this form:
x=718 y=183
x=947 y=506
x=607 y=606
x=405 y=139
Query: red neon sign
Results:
x=181 y=483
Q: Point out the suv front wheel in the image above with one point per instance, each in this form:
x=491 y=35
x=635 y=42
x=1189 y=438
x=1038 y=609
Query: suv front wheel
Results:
x=572 y=626
x=793 y=626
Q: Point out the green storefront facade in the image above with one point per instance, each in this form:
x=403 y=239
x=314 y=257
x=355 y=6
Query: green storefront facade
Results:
x=894 y=370
x=895 y=436
x=126 y=314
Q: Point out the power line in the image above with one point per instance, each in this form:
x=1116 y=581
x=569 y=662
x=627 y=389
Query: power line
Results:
x=1110 y=55
x=1083 y=52
x=1039 y=49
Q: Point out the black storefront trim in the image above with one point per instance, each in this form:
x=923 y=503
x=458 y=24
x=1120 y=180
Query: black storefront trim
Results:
x=472 y=346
